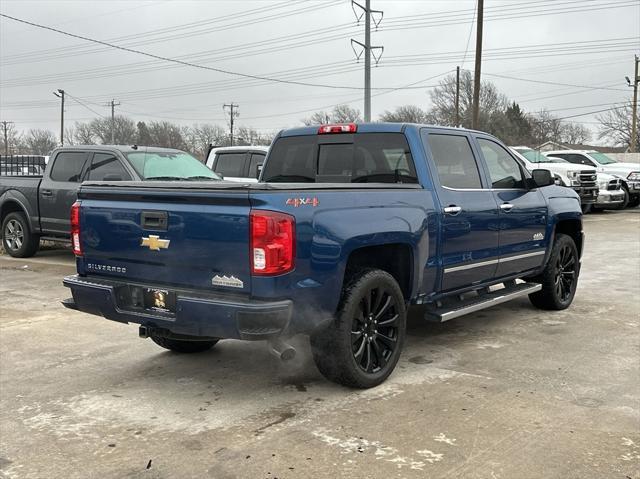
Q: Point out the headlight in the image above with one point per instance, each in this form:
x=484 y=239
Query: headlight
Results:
x=573 y=174
x=634 y=176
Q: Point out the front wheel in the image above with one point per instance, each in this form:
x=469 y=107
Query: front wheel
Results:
x=183 y=345
x=560 y=277
x=361 y=347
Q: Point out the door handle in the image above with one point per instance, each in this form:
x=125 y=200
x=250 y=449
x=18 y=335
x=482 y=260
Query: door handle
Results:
x=452 y=210
x=46 y=192
x=506 y=207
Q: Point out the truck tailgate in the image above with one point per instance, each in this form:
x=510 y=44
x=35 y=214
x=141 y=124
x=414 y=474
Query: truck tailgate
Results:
x=192 y=238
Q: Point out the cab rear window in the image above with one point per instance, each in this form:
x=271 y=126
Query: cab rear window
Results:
x=359 y=158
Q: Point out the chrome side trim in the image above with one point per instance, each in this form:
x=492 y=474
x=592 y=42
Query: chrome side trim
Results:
x=473 y=265
x=521 y=256
x=494 y=261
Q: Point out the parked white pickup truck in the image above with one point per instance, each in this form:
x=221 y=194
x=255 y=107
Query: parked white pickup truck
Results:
x=629 y=173
x=583 y=180
x=237 y=163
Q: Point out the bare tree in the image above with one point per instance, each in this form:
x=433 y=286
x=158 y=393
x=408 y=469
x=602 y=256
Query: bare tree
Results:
x=405 y=114
x=124 y=130
x=339 y=114
x=166 y=134
x=14 y=140
x=70 y=136
x=615 y=126
x=251 y=136
x=443 y=112
x=545 y=127
x=574 y=133
x=40 y=142
x=83 y=134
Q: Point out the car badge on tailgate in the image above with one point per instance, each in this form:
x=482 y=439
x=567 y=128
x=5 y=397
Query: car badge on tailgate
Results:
x=229 y=281
x=154 y=243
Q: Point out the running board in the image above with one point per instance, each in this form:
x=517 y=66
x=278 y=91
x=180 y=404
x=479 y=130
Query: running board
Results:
x=481 y=301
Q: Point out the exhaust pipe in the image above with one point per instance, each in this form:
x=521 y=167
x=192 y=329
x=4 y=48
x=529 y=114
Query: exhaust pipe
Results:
x=282 y=350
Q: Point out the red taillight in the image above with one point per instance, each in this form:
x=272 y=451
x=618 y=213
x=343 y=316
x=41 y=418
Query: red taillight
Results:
x=341 y=128
x=75 y=229
x=273 y=242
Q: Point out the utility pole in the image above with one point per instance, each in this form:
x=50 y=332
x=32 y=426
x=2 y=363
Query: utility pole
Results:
x=5 y=125
x=60 y=94
x=113 y=104
x=476 y=78
x=367 y=49
x=457 y=97
x=634 y=107
x=233 y=113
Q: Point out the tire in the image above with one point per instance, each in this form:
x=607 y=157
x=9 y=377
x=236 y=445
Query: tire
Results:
x=625 y=203
x=17 y=238
x=560 y=277
x=183 y=345
x=361 y=347
x=586 y=208
x=633 y=202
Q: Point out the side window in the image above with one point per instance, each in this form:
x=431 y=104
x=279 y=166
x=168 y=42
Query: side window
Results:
x=503 y=168
x=107 y=166
x=67 y=166
x=257 y=159
x=230 y=164
x=456 y=166
x=582 y=160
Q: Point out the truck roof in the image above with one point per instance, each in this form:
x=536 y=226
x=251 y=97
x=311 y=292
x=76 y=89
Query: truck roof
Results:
x=569 y=151
x=120 y=148
x=374 y=128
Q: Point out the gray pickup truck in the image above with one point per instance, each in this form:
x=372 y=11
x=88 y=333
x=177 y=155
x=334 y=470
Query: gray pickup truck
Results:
x=36 y=206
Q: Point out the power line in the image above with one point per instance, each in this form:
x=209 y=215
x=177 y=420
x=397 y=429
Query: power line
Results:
x=553 y=83
x=79 y=102
x=173 y=60
x=464 y=57
x=51 y=53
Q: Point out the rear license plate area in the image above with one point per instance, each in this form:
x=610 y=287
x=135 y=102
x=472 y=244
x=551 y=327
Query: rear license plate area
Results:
x=159 y=300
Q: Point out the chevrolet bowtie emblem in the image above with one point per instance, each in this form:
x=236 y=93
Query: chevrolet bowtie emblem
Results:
x=155 y=243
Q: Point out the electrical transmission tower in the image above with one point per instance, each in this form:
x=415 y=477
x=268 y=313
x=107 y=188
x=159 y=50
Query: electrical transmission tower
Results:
x=113 y=104
x=367 y=50
x=5 y=126
x=233 y=114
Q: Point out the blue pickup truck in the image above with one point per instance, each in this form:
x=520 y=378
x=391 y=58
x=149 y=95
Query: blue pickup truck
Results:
x=349 y=226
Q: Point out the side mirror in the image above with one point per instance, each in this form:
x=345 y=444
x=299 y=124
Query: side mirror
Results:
x=112 y=177
x=542 y=178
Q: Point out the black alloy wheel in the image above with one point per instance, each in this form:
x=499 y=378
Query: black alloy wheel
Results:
x=559 y=279
x=361 y=346
x=565 y=273
x=374 y=333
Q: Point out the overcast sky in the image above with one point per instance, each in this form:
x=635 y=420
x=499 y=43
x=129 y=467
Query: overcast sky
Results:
x=586 y=44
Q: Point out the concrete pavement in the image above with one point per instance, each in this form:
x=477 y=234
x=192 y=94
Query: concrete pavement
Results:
x=510 y=392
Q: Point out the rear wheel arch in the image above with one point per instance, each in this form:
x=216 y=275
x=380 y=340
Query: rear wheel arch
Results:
x=14 y=205
x=397 y=259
